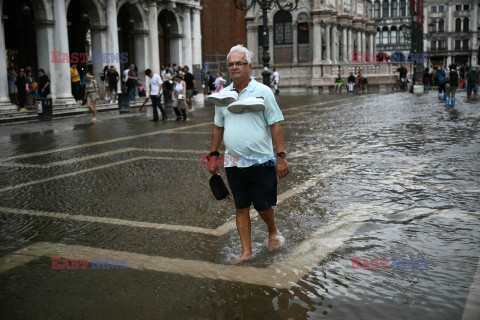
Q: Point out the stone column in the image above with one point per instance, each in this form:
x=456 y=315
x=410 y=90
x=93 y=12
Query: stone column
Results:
x=334 y=45
x=389 y=9
x=295 y=41
x=370 y=46
x=271 y=49
x=187 y=40
x=141 y=53
x=317 y=42
x=381 y=8
x=197 y=37
x=474 y=17
x=364 y=45
x=62 y=84
x=252 y=43
x=345 y=44
x=98 y=45
x=327 y=43
x=359 y=42
x=112 y=34
x=349 y=45
x=153 y=49
x=4 y=98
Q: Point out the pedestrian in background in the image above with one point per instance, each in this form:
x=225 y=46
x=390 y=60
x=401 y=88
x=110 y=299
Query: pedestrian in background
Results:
x=113 y=77
x=91 y=95
x=351 y=81
x=12 y=87
x=104 y=78
x=156 y=84
x=190 y=83
x=43 y=84
x=442 y=82
x=472 y=83
x=452 y=86
x=30 y=80
x=426 y=81
x=21 y=83
x=178 y=96
x=276 y=80
x=132 y=82
x=338 y=83
x=361 y=81
x=219 y=82
x=75 y=78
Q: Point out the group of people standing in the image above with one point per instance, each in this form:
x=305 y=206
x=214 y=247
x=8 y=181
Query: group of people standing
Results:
x=177 y=87
x=450 y=80
x=24 y=89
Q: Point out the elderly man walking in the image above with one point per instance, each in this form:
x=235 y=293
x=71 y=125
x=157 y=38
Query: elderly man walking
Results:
x=247 y=117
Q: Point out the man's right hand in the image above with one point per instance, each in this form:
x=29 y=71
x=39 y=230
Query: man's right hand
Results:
x=213 y=165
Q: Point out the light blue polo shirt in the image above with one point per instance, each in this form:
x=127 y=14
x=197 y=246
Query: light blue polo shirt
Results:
x=247 y=136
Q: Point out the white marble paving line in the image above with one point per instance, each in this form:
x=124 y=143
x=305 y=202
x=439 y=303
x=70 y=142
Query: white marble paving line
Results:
x=220 y=231
x=91 y=144
x=284 y=274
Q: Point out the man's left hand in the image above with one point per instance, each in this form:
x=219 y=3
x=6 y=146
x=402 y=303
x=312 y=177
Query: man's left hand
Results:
x=282 y=168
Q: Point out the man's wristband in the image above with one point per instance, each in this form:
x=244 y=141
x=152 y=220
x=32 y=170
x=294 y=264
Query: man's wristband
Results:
x=282 y=155
x=214 y=154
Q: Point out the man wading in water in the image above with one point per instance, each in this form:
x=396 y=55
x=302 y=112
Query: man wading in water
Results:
x=247 y=117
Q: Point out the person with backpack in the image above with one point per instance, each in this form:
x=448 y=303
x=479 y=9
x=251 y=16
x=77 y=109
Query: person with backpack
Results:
x=452 y=86
x=442 y=82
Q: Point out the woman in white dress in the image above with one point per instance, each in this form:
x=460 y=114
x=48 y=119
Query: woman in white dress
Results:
x=178 y=96
x=219 y=82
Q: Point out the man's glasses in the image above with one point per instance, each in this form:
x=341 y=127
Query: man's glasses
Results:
x=238 y=64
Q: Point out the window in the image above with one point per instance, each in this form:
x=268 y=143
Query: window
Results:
x=402 y=8
x=303 y=34
x=433 y=9
x=465 y=44
x=458 y=7
x=434 y=25
x=401 y=36
x=433 y=45
x=369 y=8
x=466 y=7
x=393 y=36
x=377 y=9
x=377 y=37
x=458 y=44
x=385 y=9
x=441 y=44
x=441 y=25
x=385 y=35
x=394 y=8
x=441 y=8
x=283 y=28
x=458 y=25
x=466 y=23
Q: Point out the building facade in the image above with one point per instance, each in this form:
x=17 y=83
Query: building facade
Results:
x=389 y=17
x=46 y=34
x=223 y=26
x=456 y=36
x=313 y=44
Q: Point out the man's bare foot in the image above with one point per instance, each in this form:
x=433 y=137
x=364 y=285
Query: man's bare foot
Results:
x=275 y=241
x=94 y=119
x=243 y=257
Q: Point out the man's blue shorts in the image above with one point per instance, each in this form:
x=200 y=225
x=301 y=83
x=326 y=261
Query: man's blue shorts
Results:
x=257 y=184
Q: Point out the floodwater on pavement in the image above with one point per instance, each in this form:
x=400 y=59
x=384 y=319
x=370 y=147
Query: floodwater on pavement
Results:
x=385 y=176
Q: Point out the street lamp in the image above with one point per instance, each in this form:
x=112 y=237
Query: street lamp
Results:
x=414 y=33
x=265 y=5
